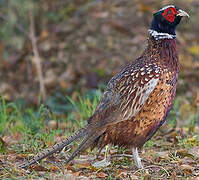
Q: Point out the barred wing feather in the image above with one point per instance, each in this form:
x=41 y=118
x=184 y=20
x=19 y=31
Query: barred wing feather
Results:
x=125 y=101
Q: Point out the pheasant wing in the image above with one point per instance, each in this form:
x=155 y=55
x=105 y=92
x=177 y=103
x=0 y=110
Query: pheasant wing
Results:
x=126 y=93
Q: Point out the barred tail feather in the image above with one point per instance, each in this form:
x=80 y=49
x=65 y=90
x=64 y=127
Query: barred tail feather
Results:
x=57 y=147
x=86 y=143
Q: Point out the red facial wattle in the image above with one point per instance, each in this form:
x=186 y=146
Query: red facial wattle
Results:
x=169 y=14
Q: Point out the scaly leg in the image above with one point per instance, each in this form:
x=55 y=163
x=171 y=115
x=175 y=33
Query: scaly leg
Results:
x=106 y=154
x=105 y=162
x=136 y=158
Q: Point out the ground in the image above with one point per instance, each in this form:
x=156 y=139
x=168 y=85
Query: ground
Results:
x=81 y=45
x=172 y=153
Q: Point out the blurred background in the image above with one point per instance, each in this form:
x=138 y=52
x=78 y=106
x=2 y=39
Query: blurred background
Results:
x=53 y=49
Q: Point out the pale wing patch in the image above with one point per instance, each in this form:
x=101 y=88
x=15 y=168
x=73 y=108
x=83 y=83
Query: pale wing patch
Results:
x=150 y=86
x=133 y=106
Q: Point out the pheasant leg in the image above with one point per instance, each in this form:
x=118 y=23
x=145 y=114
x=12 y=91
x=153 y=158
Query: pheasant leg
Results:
x=105 y=162
x=136 y=158
x=106 y=154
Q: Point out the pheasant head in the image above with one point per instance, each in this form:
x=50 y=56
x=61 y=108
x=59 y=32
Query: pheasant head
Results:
x=165 y=21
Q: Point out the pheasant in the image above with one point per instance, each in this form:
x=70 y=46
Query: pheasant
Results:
x=137 y=100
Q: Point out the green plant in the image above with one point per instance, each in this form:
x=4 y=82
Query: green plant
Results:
x=174 y=114
x=34 y=121
x=85 y=106
x=194 y=120
x=3 y=115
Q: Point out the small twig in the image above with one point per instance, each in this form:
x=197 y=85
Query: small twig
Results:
x=155 y=166
x=37 y=58
x=121 y=155
x=32 y=37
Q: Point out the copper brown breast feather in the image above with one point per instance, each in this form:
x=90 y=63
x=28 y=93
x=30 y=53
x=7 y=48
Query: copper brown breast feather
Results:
x=137 y=100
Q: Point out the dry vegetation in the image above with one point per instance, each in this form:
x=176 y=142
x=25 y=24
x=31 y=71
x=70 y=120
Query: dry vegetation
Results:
x=53 y=49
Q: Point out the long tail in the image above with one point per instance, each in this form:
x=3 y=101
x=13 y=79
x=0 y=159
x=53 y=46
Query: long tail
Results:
x=57 y=147
x=87 y=142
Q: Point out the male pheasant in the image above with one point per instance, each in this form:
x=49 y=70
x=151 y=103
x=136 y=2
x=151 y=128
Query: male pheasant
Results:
x=138 y=99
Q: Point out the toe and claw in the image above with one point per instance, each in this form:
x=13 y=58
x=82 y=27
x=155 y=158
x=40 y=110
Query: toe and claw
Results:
x=106 y=161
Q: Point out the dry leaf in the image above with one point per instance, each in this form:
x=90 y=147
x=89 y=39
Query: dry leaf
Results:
x=163 y=154
x=53 y=168
x=188 y=160
x=44 y=34
x=187 y=169
x=38 y=168
x=194 y=151
x=101 y=175
x=182 y=152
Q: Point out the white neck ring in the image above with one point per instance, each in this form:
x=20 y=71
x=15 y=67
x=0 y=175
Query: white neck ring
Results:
x=158 y=36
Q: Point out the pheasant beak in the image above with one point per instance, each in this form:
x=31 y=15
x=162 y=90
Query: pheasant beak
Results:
x=182 y=13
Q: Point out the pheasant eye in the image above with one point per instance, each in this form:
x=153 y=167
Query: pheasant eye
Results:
x=169 y=14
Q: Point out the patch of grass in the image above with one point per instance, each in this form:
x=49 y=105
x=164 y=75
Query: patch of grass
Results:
x=194 y=120
x=175 y=113
x=3 y=115
x=85 y=107
x=35 y=134
x=150 y=143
